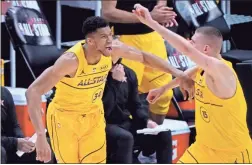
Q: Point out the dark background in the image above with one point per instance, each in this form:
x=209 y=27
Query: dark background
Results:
x=72 y=19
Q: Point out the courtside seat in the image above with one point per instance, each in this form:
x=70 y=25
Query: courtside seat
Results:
x=31 y=35
x=206 y=13
x=248 y=61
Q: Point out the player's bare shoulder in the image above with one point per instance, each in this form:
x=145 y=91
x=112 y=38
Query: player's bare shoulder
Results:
x=67 y=64
x=69 y=56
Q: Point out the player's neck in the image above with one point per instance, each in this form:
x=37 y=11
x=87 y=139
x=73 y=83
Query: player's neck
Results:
x=218 y=56
x=92 y=57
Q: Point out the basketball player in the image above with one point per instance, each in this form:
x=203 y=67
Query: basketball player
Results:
x=222 y=133
x=132 y=32
x=75 y=119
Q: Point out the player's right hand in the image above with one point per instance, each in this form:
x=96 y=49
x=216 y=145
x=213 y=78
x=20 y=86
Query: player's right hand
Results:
x=155 y=94
x=43 y=149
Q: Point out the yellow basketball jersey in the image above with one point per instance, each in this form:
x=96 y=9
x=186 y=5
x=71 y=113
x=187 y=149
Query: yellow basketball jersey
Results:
x=220 y=123
x=83 y=93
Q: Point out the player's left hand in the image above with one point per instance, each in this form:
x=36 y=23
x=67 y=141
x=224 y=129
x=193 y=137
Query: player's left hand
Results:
x=155 y=94
x=143 y=14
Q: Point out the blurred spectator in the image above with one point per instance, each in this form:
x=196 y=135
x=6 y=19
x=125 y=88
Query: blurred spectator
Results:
x=124 y=115
x=12 y=137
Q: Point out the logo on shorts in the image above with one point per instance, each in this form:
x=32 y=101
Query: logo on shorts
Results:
x=204 y=114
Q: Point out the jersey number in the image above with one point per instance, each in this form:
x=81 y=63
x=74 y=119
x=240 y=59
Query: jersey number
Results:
x=97 y=94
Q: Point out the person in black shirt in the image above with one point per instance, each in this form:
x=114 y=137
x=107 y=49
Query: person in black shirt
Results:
x=124 y=115
x=132 y=32
x=12 y=137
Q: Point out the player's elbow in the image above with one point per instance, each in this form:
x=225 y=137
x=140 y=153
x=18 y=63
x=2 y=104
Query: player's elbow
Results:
x=31 y=92
x=107 y=13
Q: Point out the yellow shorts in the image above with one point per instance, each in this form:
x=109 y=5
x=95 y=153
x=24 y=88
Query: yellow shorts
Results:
x=75 y=137
x=201 y=154
x=149 y=78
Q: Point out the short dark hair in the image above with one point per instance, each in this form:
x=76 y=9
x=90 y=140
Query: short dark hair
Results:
x=91 y=24
x=210 y=31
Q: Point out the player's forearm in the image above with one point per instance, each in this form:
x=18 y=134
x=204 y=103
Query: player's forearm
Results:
x=172 y=84
x=161 y=64
x=34 y=109
x=119 y=16
x=147 y=59
x=156 y=62
x=176 y=82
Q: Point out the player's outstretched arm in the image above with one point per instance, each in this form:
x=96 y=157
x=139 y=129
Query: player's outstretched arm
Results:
x=181 y=44
x=148 y=59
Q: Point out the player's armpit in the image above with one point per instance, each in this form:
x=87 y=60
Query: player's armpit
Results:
x=224 y=79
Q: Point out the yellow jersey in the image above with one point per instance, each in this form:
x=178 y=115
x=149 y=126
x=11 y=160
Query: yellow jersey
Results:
x=83 y=92
x=220 y=123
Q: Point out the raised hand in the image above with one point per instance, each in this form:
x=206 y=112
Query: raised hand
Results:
x=143 y=14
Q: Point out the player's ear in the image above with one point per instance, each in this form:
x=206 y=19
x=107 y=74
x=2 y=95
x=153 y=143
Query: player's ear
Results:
x=206 y=49
x=89 y=41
